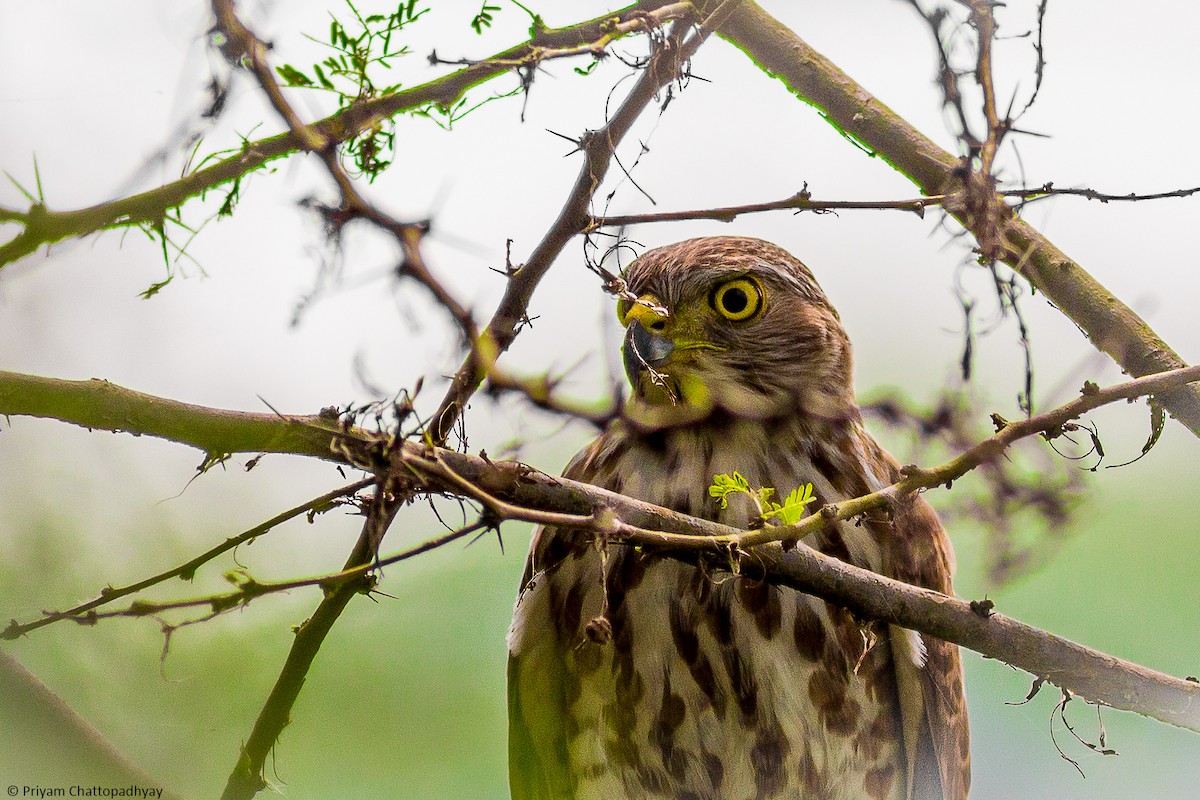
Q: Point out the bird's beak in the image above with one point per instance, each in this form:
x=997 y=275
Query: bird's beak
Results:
x=644 y=348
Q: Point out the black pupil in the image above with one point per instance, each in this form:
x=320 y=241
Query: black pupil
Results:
x=735 y=300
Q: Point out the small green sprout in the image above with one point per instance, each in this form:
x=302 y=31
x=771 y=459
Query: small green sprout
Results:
x=789 y=512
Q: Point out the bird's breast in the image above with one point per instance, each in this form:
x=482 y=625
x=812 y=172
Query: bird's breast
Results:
x=682 y=681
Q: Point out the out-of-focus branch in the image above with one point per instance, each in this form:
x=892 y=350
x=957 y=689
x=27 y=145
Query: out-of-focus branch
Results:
x=31 y=710
x=542 y=392
x=43 y=225
x=1111 y=325
x=1039 y=490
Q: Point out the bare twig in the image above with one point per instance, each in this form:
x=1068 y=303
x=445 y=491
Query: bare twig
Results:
x=801 y=201
x=541 y=392
x=85 y=612
x=984 y=23
x=249 y=589
x=1048 y=189
x=1039 y=50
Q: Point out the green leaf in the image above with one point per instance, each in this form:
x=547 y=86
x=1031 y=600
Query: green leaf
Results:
x=588 y=69
x=292 y=76
x=320 y=73
x=801 y=495
x=484 y=18
x=1158 y=419
x=725 y=485
x=154 y=288
x=792 y=510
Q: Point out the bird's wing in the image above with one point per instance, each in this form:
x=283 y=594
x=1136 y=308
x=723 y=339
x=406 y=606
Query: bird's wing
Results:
x=928 y=670
x=537 y=731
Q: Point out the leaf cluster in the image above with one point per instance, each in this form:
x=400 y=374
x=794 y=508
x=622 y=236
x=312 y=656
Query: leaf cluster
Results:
x=361 y=47
x=789 y=512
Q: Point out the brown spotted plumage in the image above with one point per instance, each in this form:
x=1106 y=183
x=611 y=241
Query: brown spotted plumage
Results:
x=634 y=676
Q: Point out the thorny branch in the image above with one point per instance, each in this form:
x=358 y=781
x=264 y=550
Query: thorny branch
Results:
x=43 y=225
x=1048 y=189
x=1111 y=325
x=509 y=490
x=252 y=51
x=801 y=201
x=248 y=589
x=86 y=612
x=598 y=148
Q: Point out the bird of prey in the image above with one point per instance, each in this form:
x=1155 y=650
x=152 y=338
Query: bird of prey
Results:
x=633 y=675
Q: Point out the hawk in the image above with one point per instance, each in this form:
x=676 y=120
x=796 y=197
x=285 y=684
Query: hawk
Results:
x=638 y=676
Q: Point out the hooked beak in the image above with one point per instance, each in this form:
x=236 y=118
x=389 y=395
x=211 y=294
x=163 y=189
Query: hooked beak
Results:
x=643 y=350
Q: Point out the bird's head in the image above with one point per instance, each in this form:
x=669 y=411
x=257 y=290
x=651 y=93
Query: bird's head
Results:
x=734 y=324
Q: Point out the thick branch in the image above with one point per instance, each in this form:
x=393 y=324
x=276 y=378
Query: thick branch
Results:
x=1088 y=673
x=529 y=494
x=1111 y=325
x=100 y=405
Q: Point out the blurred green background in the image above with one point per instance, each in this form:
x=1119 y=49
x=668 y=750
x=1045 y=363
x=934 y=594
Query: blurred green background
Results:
x=406 y=699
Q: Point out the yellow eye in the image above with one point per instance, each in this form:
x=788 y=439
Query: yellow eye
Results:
x=738 y=300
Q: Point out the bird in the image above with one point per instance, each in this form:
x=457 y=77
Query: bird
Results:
x=635 y=675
